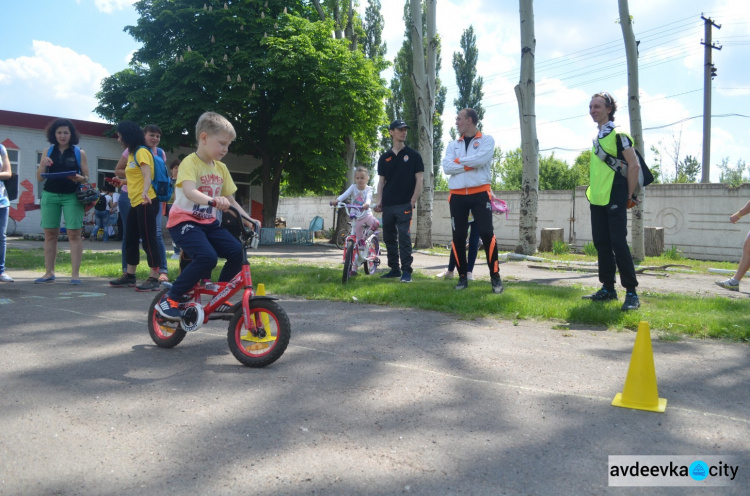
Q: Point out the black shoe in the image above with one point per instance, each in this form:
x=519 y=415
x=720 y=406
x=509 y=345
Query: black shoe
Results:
x=603 y=294
x=497 y=284
x=463 y=283
x=150 y=284
x=127 y=280
x=391 y=274
x=631 y=302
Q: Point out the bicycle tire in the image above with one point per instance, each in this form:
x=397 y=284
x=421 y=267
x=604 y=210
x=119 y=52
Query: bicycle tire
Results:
x=372 y=252
x=341 y=239
x=10 y=228
x=272 y=339
x=164 y=334
x=348 y=261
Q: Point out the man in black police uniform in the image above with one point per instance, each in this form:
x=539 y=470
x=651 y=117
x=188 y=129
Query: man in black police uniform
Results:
x=400 y=171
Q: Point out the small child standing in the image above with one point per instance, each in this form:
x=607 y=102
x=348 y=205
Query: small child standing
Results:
x=203 y=186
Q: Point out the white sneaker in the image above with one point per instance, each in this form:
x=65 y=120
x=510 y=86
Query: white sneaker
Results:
x=175 y=256
x=469 y=276
x=448 y=274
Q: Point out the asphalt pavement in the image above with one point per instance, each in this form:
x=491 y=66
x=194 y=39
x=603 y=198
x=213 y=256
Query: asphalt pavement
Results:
x=366 y=400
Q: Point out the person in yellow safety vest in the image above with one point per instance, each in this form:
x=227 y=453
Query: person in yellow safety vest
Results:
x=611 y=195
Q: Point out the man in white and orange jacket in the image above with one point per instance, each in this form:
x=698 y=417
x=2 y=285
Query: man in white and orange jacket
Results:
x=468 y=165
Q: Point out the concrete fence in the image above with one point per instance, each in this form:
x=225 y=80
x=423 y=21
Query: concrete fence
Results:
x=695 y=217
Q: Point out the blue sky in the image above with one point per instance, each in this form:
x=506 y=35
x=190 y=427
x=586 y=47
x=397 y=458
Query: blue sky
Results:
x=54 y=55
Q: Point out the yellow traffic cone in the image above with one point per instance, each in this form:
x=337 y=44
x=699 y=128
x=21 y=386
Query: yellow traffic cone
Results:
x=640 y=390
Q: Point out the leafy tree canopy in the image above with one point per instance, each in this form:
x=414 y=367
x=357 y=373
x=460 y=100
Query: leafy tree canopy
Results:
x=292 y=91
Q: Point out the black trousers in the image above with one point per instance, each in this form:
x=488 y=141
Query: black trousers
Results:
x=479 y=206
x=397 y=237
x=609 y=229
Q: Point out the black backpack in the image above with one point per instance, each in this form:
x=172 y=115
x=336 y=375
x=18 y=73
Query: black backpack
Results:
x=101 y=203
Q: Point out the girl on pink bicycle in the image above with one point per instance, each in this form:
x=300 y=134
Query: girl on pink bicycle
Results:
x=361 y=195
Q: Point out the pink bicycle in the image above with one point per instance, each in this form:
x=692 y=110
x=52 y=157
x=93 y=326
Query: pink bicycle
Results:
x=365 y=251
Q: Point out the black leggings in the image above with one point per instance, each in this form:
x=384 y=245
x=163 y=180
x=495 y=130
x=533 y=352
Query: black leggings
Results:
x=141 y=223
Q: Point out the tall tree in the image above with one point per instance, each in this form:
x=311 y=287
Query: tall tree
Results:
x=526 y=96
x=292 y=92
x=372 y=42
x=423 y=83
x=469 y=84
x=636 y=127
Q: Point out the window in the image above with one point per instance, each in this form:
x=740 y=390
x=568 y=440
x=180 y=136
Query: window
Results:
x=13 y=157
x=104 y=168
x=242 y=195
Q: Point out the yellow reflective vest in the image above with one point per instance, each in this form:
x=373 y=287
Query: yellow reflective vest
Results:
x=601 y=176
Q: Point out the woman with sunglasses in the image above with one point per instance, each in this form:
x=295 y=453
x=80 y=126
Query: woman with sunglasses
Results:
x=611 y=194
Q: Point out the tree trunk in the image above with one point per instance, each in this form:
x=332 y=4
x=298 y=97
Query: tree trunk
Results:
x=636 y=126
x=654 y=241
x=423 y=82
x=526 y=94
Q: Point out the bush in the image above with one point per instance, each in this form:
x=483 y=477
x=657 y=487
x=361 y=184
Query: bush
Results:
x=672 y=254
x=589 y=249
x=560 y=248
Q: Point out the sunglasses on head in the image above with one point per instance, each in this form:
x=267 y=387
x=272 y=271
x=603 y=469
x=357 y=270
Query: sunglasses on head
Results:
x=607 y=97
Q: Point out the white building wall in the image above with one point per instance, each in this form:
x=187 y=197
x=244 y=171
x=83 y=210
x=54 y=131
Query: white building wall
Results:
x=30 y=142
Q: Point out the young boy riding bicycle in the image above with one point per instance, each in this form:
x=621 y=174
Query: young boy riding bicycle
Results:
x=204 y=185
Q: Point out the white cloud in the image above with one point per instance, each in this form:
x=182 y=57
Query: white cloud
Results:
x=53 y=77
x=109 y=6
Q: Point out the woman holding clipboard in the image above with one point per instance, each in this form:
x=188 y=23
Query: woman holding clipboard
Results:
x=62 y=171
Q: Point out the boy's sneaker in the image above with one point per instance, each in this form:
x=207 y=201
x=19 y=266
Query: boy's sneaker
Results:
x=127 y=280
x=448 y=274
x=603 y=294
x=391 y=274
x=406 y=277
x=470 y=276
x=5 y=278
x=223 y=308
x=631 y=302
x=463 y=283
x=169 y=308
x=150 y=284
x=497 y=284
x=727 y=284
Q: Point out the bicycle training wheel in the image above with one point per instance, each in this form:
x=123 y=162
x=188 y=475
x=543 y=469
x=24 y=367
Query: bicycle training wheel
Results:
x=267 y=338
x=348 y=261
x=372 y=253
x=165 y=333
x=341 y=239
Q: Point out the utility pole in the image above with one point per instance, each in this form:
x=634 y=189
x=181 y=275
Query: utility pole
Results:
x=709 y=72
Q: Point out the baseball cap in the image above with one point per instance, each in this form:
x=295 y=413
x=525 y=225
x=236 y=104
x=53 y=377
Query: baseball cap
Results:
x=398 y=124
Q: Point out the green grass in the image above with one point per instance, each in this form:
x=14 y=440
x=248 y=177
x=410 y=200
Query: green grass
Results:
x=674 y=315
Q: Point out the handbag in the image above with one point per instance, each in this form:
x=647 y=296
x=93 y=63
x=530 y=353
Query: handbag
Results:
x=86 y=194
x=11 y=187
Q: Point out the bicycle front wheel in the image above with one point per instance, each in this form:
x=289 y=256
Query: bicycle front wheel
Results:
x=10 y=229
x=372 y=255
x=348 y=261
x=265 y=339
x=341 y=239
x=165 y=333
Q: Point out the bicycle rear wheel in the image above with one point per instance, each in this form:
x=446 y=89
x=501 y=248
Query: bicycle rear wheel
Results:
x=372 y=255
x=164 y=333
x=348 y=261
x=10 y=229
x=265 y=339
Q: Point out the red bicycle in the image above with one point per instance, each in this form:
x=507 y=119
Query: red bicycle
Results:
x=259 y=328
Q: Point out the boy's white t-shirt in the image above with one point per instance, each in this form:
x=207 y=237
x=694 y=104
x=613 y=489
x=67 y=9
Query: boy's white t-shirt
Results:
x=212 y=180
x=358 y=197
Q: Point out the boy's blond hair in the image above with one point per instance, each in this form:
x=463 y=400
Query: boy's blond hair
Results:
x=212 y=124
